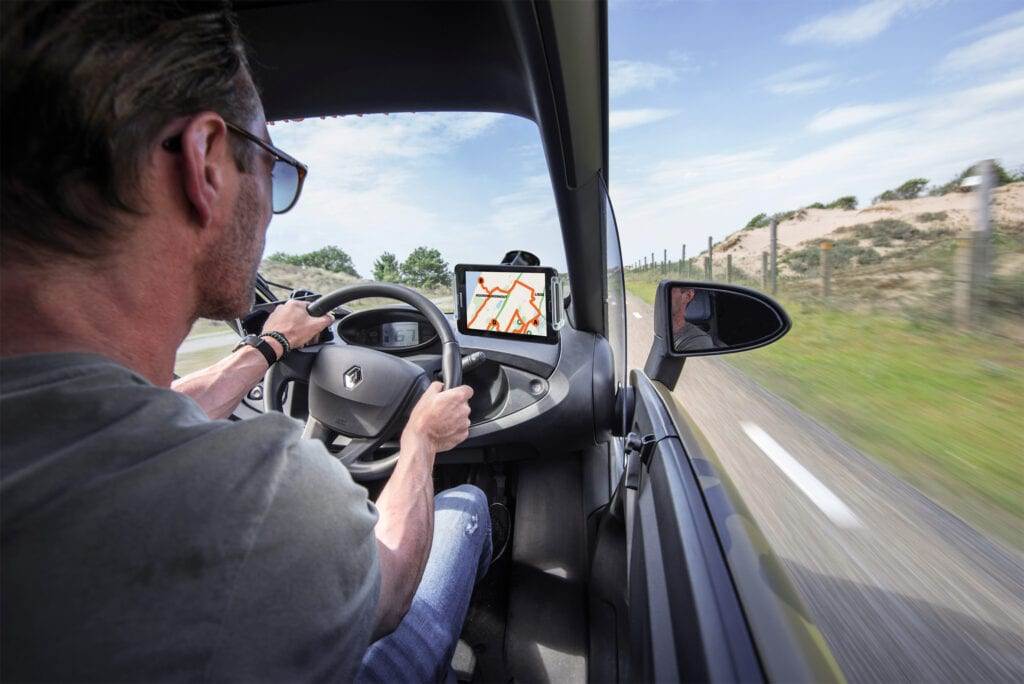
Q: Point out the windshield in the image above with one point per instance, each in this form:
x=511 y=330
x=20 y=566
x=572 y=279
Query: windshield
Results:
x=401 y=198
x=405 y=197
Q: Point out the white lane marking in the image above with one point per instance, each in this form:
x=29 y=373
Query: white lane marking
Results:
x=637 y=314
x=818 y=493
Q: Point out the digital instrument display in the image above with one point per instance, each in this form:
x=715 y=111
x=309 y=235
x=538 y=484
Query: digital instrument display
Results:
x=400 y=334
x=504 y=301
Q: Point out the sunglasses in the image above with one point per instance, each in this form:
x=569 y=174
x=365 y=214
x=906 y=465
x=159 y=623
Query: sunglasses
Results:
x=287 y=175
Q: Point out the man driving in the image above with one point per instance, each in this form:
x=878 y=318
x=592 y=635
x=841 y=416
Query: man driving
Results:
x=143 y=536
x=685 y=335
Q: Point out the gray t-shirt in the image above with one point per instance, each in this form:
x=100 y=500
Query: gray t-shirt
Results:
x=143 y=541
x=692 y=338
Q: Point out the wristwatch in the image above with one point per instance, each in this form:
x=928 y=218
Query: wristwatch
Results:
x=261 y=345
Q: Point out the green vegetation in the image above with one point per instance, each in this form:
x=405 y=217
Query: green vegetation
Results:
x=758 y=221
x=929 y=216
x=329 y=258
x=386 y=269
x=844 y=253
x=846 y=202
x=1002 y=178
x=424 y=267
x=942 y=408
x=908 y=190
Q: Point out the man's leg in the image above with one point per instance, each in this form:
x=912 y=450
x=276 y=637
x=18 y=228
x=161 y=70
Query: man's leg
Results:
x=420 y=649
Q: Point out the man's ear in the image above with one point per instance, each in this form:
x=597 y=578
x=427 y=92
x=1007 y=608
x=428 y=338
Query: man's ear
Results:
x=206 y=164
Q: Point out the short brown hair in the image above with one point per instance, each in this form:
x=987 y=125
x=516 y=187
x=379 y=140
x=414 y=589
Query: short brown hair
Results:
x=86 y=86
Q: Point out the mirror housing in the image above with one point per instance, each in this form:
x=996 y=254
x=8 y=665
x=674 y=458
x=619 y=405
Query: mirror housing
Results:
x=695 y=318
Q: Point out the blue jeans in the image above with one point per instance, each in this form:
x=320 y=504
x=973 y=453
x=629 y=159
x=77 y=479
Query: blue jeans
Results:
x=421 y=647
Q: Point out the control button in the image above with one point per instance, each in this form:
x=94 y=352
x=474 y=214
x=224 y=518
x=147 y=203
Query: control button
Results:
x=256 y=393
x=538 y=387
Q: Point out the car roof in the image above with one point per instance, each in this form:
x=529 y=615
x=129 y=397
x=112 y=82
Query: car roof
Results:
x=545 y=61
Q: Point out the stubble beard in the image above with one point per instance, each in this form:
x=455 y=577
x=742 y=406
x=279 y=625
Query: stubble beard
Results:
x=227 y=275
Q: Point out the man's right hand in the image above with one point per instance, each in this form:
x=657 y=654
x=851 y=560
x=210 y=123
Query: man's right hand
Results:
x=439 y=421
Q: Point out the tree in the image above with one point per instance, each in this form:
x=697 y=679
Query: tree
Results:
x=329 y=258
x=386 y=269
x=424 y=267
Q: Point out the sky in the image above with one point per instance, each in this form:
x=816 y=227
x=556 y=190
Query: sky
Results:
x=720 y=110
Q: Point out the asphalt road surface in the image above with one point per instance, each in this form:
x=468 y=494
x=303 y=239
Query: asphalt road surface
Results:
x=902 y=589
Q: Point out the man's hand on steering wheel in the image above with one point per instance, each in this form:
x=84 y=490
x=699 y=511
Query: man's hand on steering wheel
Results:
x=293 y=320
x=439 y=421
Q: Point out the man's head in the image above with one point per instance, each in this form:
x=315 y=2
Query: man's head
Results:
x=114 y=130
x=681 y=297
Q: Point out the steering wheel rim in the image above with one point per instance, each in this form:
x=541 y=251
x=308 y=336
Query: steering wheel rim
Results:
x=307 y=365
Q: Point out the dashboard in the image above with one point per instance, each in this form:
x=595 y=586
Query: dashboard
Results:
x=392 y=329
x=545 y=396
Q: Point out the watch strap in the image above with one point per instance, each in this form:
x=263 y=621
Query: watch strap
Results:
x=260 y=345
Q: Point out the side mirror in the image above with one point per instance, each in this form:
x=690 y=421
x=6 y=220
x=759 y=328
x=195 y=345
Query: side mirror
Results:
x=702 y=319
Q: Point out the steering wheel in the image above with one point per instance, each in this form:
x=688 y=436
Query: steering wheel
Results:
x=363 y=394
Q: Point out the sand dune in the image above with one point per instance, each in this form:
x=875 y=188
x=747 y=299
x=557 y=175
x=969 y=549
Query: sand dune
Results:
x=960 y=209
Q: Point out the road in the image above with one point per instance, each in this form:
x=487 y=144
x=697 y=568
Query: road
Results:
x=902 y=589
x=203 y=342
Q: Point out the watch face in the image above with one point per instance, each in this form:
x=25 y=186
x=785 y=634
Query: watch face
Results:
x=248 y=340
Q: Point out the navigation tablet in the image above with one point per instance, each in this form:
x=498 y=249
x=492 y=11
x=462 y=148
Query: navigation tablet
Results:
x=505 y=301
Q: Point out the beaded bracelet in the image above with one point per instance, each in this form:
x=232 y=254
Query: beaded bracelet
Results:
x=280 y=338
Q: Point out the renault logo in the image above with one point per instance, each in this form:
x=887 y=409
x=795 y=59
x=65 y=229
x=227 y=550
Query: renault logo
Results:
x=353 y=376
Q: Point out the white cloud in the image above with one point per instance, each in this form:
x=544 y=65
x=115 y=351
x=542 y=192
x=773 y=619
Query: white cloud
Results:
x=853 y=25
x=800 y=79
x=686 y=199
x=629 y=118
x=626 y=76
x=855 y=115
x=999 y=49
x=373 y=187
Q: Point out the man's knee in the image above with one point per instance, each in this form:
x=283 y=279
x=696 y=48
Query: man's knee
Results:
x=465 y=498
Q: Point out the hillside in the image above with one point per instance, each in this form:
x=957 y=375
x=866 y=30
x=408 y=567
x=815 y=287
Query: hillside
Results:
x=306 y=277
x=944 y=216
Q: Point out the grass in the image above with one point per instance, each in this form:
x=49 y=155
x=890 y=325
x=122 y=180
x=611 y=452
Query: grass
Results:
x=943 y=409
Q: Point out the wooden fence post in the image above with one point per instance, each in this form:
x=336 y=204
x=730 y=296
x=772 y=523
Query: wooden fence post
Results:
x=728 y=268
x=963 y=282
x=826 y=271
x=764 y=270
x=774 y=254
x=664 y=261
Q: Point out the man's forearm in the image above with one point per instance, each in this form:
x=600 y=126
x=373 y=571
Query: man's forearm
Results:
x=219 y=388
x=404 y=533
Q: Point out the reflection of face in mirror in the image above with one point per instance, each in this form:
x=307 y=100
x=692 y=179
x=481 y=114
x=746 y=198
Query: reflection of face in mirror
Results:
x=691 y=308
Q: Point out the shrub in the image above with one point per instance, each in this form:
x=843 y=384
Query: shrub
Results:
x=1002 y=178
x=844 y=252
x=929 y=216
x=847 y=202
x=816 y=205
x=759 y=221
x=329 y=258
x=883 y=232
x=908 y=190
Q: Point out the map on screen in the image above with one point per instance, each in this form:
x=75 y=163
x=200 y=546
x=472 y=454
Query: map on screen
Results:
x=506 y=302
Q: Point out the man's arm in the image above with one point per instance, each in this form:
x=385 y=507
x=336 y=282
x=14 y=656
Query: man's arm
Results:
x=405 y=528
x=218 y=388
